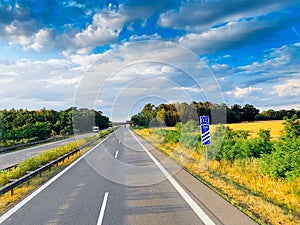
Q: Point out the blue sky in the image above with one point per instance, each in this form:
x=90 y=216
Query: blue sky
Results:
x=49 y=47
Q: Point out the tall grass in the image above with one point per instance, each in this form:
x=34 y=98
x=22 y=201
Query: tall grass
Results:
x=34 y=162
x=269 y=200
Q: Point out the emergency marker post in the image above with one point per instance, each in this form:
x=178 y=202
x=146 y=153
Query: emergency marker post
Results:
x=205 y=134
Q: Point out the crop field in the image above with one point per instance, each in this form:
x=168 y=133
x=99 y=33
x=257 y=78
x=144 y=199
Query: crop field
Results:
x=275 y=126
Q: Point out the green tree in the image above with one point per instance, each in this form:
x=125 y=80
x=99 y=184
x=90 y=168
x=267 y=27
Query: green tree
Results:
x=43 y=130
x=291 y=127
x=190 y=134
x=284 y=159
x=140 y=119
x=237 y=112
x=190 y=127
x=149 y=111
x=249 y=113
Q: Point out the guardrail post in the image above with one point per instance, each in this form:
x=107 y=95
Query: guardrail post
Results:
x=11 y=192
x=181 y=157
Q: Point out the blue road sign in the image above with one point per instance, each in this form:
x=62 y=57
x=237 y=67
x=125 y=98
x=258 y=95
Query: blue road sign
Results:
x=205 y=133
x=204 y=120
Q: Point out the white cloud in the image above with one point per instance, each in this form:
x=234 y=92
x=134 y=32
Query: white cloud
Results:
x=34 y=84
x=17 y=31
x=105 y=28
x=291 y=88
x=141 y=70
x=20 y=39
x=231 y=34
x=239 y=93
x=279 y=107
x=144 y=37
x=223 y=72
x=188 y=89
x=276 y=60
x=6 y=80
x=41 y=39
x=220 y=67
x=273 y=82
x=53 y=83
x=278 y=65
x=85 y=60
x=10 y=29
x=198 y=16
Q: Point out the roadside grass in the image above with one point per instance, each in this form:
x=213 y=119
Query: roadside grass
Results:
x=265 y=199
x=7 y=200
x=34 y=162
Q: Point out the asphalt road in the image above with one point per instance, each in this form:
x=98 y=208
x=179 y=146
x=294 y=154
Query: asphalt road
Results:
x=123 y=180
x=12 y=158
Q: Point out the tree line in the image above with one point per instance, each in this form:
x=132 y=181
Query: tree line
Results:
x=22 y=125
x=171 y=114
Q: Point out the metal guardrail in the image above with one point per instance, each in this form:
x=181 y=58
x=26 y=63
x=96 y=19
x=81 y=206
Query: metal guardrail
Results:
x=14 y=147
x=10 y=187
x=9 y=167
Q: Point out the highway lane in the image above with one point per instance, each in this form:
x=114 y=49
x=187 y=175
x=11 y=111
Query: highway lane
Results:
x=12 y=158
x=119 y=183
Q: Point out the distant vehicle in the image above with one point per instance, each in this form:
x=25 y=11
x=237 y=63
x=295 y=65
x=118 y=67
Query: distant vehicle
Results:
x=95 y=129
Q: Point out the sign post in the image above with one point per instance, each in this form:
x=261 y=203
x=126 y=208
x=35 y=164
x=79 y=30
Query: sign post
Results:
x=205 y=134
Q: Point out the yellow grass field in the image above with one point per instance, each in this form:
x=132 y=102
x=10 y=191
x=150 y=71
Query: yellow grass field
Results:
x=275 y=126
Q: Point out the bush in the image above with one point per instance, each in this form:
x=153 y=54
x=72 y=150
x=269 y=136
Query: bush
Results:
x=284 y=160
x=178 y=126
x=172 y=136
x=34 y=162
x=236 y=145
x=159 y=132
x=190 y=140
x=190 y=127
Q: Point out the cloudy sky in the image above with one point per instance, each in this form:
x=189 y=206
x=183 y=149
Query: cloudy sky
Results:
x=52 y=52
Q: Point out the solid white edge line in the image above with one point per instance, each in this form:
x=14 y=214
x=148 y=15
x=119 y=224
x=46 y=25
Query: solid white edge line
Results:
x=40 y=189
x=196 y=208
x=102 y=210
x=116 y=155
